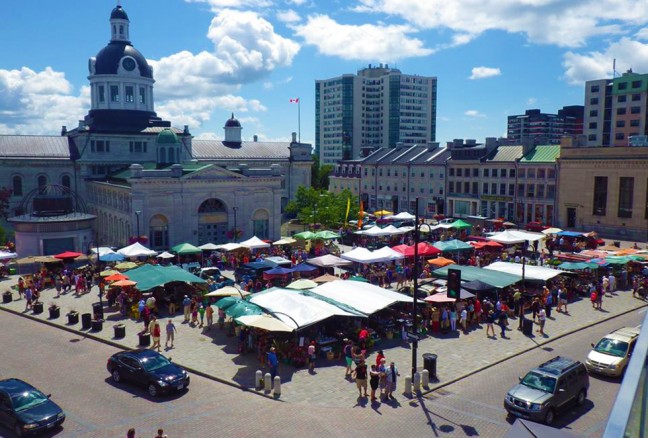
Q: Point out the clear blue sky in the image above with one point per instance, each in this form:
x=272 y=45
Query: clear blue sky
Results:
x=492 y=58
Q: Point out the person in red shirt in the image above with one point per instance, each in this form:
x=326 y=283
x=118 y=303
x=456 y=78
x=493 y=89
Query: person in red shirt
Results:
x=364 y=334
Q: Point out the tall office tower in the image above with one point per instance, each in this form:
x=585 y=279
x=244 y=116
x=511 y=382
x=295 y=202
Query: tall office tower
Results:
x=616 y=111
x=546 y=128
x=378 y=107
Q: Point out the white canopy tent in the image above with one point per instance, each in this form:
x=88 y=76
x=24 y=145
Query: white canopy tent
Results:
x=359 y=255
x=364 y=297
x=7 y=255
x=136 y=250
x=285 y=241
x=530 y=272
x=296 y=309
x=402 y=216
x=386 y=254
x=254 y=243
x=509 y=237
x=102 y=250
x=166 y=255
x=208 y=247
x=328 y=261
x=229 y=246
x=375 y=231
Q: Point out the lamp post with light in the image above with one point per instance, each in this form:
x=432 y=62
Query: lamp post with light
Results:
x=417 y=228
x=235 y=209
x=137 y=214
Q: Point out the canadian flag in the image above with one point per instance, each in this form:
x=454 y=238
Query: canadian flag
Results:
x=296 y=100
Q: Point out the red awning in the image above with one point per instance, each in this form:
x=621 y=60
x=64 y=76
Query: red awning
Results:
x=68 y=255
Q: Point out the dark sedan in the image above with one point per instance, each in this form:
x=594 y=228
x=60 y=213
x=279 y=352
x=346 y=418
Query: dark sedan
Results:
x=26 y=410
x=147 y=368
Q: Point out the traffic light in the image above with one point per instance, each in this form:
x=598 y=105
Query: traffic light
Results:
x=454 y=283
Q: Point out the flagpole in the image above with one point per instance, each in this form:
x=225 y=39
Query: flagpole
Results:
x=298 y=120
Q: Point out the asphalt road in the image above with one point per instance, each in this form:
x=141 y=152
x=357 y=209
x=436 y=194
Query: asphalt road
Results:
x=72 y=369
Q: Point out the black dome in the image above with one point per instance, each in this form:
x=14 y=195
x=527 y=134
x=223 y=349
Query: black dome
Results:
x=107 y=60
x=118 y=13
x=232 y=123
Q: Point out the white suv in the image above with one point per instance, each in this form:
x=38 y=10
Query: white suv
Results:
x=611 y=354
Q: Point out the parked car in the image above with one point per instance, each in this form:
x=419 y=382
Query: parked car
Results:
x=26 y=410
x=538 y=227
x=548 y=389
x=611 y=354
x=214 y=274
x=148 y=368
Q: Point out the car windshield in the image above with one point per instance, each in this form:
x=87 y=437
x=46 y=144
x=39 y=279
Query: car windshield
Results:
x=27 y=399
x=539 y=381
x=612 y=347
x=155 y=362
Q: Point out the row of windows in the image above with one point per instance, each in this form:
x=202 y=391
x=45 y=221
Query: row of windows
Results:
x=625 y=197
x=524 y=190
x=620 y=99
x=115 y=96
x=17 y=183
x=403 y=189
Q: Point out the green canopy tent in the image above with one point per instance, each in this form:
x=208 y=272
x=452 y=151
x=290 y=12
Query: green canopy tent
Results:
x=150 y=276
x=327 y=234
x=453 y=245
x=186 y=249
x=470 y=273
x=226 y=302
x=618 y=260
x=243 y=307
x=305 y=235
x=577 y=266
x=460 y=225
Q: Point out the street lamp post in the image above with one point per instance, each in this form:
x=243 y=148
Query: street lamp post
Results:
x=137 y=214
x=235 y=209
x=417 y=227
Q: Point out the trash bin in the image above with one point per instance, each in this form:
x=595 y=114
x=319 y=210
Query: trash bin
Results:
x=7 y=297
x=527 y=327
x=86 y=321
x=144 y=339
x=97 y=310
x=97 y=325
x=73 y=318
x=120 y=331
x=430 y=364
x=37 y=308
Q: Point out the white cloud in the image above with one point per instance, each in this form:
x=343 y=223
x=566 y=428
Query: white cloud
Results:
x=642 y=34
x=38 y=102
x=288 y=16
x=484 y=72
x=296 y=2
x=597 y=65
x=564 y=23
x=474 y=113
x=361 y=42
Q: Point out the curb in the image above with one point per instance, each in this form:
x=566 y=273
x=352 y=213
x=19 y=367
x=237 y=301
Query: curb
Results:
x=456 y=379
x=89 y=335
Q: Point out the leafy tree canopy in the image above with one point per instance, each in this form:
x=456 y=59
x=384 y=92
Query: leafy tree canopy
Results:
x=316 y=206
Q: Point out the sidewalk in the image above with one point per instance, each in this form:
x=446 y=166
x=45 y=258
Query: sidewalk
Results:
x=215 y=354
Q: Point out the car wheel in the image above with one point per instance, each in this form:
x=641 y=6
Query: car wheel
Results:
x=581 y=397
x=550 y=417
x=152 y=390
x=116 y=376
x=18 y=430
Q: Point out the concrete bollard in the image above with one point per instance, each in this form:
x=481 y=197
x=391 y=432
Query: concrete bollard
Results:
x=417 y=382
x=277 y=386
x=259 y=379
x=408 y=386
x=425 y=378
x=267 y=380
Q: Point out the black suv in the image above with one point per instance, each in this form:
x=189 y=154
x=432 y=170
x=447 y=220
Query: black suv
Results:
x=147 y=368
x=548 y=389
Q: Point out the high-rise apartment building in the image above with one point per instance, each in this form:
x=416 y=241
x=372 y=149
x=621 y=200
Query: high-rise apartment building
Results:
x=378 y=107
x=617 y=109
x=544 y=127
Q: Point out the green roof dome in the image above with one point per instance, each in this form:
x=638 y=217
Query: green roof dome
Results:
x=167 y=136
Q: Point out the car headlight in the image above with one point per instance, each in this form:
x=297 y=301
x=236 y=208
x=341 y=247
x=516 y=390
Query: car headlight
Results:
x=30 y=426
x=534 y=406
x=60 y=415
x=162 y=383
x=613 y=366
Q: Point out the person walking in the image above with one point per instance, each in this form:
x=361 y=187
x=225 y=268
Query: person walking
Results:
x=130 y=433
x=374 y=380
x=160 y=434
x=170 y=333
x=360 y=375
x=453 y=318
x=312 y=357
x=209 y=312
x=155 y=333
x=186 y=305
x=29 y=297
x=490 y=320
x=348 y=357
x=201 y=313
x=542 y=318
x=463 y=320
x=502 y=321
x=272 y=362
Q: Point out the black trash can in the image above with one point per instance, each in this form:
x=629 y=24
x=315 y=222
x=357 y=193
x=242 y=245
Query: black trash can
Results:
x=97 y=310
x=86 y=321
x=97 y=325
x=120 y=331
x=7 y=297
x=430 y=364
x=527 y=327
x=37 y=308
x=144 y=339
x=73 y=318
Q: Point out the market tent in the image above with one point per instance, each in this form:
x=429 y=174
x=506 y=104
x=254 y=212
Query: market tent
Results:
x=460 y=225
x=306 y=235
x=359 y=255
x=326 y=278
x=328 y=261
x=403 y=216
x=392 y=230
x=618 y=260
x=470 y=273
x=243 y=308
x=254 y=243
x=229 y=246
x=264 y=322
x=453 y=245
x=358 y=278
x=364 y=297
x=304 y=267
x=136 y=250
x=551 y=230
x=327 y=234
x=442 y=297
x=150 y=276
x=374 y=231
x=477 y=286
x=302 y=283
x=165 y=255
x=386 y=254
x=227 y=291
x=4 y=255
x=577 y=266
x=68 y=255
x=424 y=249
x=226 y=302
x=440 y=262
x=209 y=247
x=111 y=257
x=186 y=249
x=102 y=250
x=276 y=272
x=383 y=213
x=126 y=265
x=509 y=237
x=296 y=308
x=570 y=234
x=487 y=244
x=285 y=241
x=530 y=272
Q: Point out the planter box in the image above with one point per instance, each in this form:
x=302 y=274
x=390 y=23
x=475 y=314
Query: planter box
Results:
x=73 y=318
x=54 y=312
x=120 y=331
x=97 y=325
x=7 y=297
x=144 y=339
x=37 y=308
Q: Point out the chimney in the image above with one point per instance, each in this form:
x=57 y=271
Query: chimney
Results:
x=81 y=125
x=449 y=145
x=256 y=138
x=186 y=130
x=490 y=142
x=64 y=130
x=294 y=137
x=527 y=145
x=471 y=142
x=457 y=142
x=176 y=171
x=136 y=170
x=243 y=168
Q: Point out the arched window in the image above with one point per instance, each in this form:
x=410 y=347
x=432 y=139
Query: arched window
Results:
x=261 y=224
x=159 y=231
x=42 y=182
x=162 y=156
x=121 y=30
x=17 y=186
x=65 y=181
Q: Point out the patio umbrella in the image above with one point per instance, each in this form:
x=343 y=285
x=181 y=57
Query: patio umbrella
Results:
x=460 y=225
x=440 y=262
x=116 y=277
x=67 y=255
x=302 y=283
x=227 y=291
x=124 y=283
x=108 y=272
x=326 y=278
x=453 y=245
x=424 y=249
x=125 y=265
x=265 y=322
x=305 y=235
x=111 y=257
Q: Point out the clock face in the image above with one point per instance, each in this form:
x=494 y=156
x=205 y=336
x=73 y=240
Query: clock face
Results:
x=128 y=64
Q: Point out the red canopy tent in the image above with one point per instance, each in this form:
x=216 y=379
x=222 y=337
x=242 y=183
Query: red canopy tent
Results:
x=68 y=255
x=487 y=244
x=424 y=249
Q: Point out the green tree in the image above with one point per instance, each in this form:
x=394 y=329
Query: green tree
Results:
x=320 y=174
x=315 y=206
